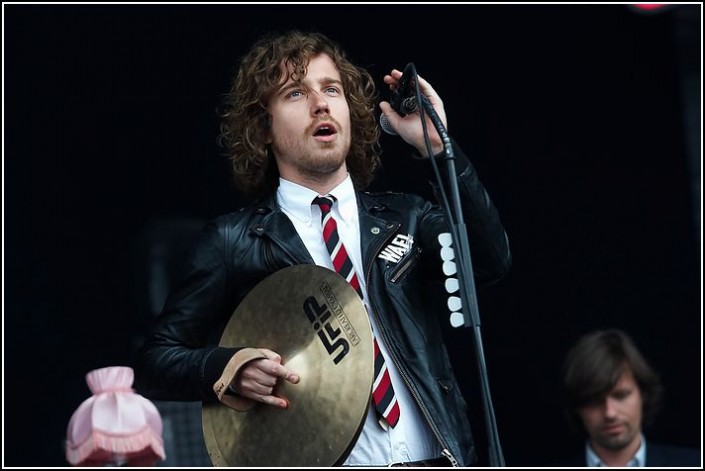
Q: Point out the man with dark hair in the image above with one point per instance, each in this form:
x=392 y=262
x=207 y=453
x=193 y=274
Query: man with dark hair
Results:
x=610 y=394
x=300 y=129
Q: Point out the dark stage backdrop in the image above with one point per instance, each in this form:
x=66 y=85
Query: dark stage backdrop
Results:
x=582 y=120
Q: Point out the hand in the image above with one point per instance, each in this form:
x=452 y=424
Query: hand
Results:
x=409 y=127
x=257 y=379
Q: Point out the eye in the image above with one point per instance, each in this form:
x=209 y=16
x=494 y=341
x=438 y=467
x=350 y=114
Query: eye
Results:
x=332 y=91
x=621 y=394
x=295 y=94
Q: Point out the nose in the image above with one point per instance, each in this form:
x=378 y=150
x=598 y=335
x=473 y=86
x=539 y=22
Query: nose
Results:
x=610 y=408
x=319 y=104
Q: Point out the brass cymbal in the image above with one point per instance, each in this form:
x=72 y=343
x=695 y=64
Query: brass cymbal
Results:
x=315 y=320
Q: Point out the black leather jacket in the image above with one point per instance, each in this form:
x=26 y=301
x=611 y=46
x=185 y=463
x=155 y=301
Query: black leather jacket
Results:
x=181 y=359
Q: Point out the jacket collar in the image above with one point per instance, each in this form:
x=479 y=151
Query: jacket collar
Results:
x=375 y=231
x=275 y=225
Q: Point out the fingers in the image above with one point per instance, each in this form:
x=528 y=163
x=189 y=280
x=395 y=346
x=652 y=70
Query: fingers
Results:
x=274 y=401
x=275 y=368
x=393 y=79
x=258 y=378
x=410 y=127
x=395 y=76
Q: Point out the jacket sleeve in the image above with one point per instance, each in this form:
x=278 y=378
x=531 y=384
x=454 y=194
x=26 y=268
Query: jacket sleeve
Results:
x=180 y=361
x=489 y=245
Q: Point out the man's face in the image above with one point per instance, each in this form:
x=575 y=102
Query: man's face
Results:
x=310 y=129
x=613 y=422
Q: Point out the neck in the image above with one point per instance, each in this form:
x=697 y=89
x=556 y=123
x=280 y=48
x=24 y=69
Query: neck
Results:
x=321 y=184
x=620 y=457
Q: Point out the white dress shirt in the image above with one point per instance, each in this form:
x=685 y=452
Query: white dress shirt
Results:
x=411 y=439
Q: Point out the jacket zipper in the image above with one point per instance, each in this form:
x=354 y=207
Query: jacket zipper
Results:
x=408 y=264
x=446 y=452
x=453 y=462
x=422 y=407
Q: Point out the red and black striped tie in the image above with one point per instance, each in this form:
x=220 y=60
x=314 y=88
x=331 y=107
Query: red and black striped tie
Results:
x=382 y=391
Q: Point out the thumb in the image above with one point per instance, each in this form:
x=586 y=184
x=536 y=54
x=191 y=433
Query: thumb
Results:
x=389 y=119
x=388 y=111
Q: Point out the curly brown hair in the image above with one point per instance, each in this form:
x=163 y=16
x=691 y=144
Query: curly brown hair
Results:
x=245 y=118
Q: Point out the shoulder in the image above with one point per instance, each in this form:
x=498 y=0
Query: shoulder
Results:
x=257 y=210
x=382 y=194
x=391 y=199
x=668 y=455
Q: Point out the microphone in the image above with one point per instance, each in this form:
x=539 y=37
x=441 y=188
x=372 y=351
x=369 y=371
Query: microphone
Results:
x=403 y=107
x=402 y=100
x=386 y=125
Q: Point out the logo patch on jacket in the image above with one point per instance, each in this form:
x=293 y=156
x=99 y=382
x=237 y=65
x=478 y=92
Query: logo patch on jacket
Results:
x=397 y=248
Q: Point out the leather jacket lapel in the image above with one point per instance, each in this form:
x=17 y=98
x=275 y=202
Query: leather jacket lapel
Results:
x=374 y=230
x=276 y=226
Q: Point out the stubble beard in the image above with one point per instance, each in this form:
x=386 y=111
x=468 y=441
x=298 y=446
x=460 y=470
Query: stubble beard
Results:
x=324 y=163
x=315 y=162
x=618 y=442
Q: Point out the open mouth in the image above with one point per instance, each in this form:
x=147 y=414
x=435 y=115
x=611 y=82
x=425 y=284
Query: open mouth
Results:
x=324 y=130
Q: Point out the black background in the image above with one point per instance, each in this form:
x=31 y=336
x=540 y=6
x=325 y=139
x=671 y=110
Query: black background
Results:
x=582 y=120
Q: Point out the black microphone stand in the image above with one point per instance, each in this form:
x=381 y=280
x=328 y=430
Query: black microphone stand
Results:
x=466 y=278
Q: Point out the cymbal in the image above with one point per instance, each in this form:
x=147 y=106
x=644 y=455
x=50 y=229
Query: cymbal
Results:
x=315 y=320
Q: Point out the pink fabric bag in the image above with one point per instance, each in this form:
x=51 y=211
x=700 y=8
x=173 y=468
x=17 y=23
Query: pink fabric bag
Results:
x=115 y=426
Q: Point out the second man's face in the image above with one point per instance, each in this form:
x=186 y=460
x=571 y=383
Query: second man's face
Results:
x=614 y=421
x=310 y=129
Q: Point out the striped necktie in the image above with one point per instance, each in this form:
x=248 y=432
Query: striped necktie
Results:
x=382 y=391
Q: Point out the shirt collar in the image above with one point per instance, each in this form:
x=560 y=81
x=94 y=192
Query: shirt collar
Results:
x=296 y=199
x=640 y=456
x=637 y=461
